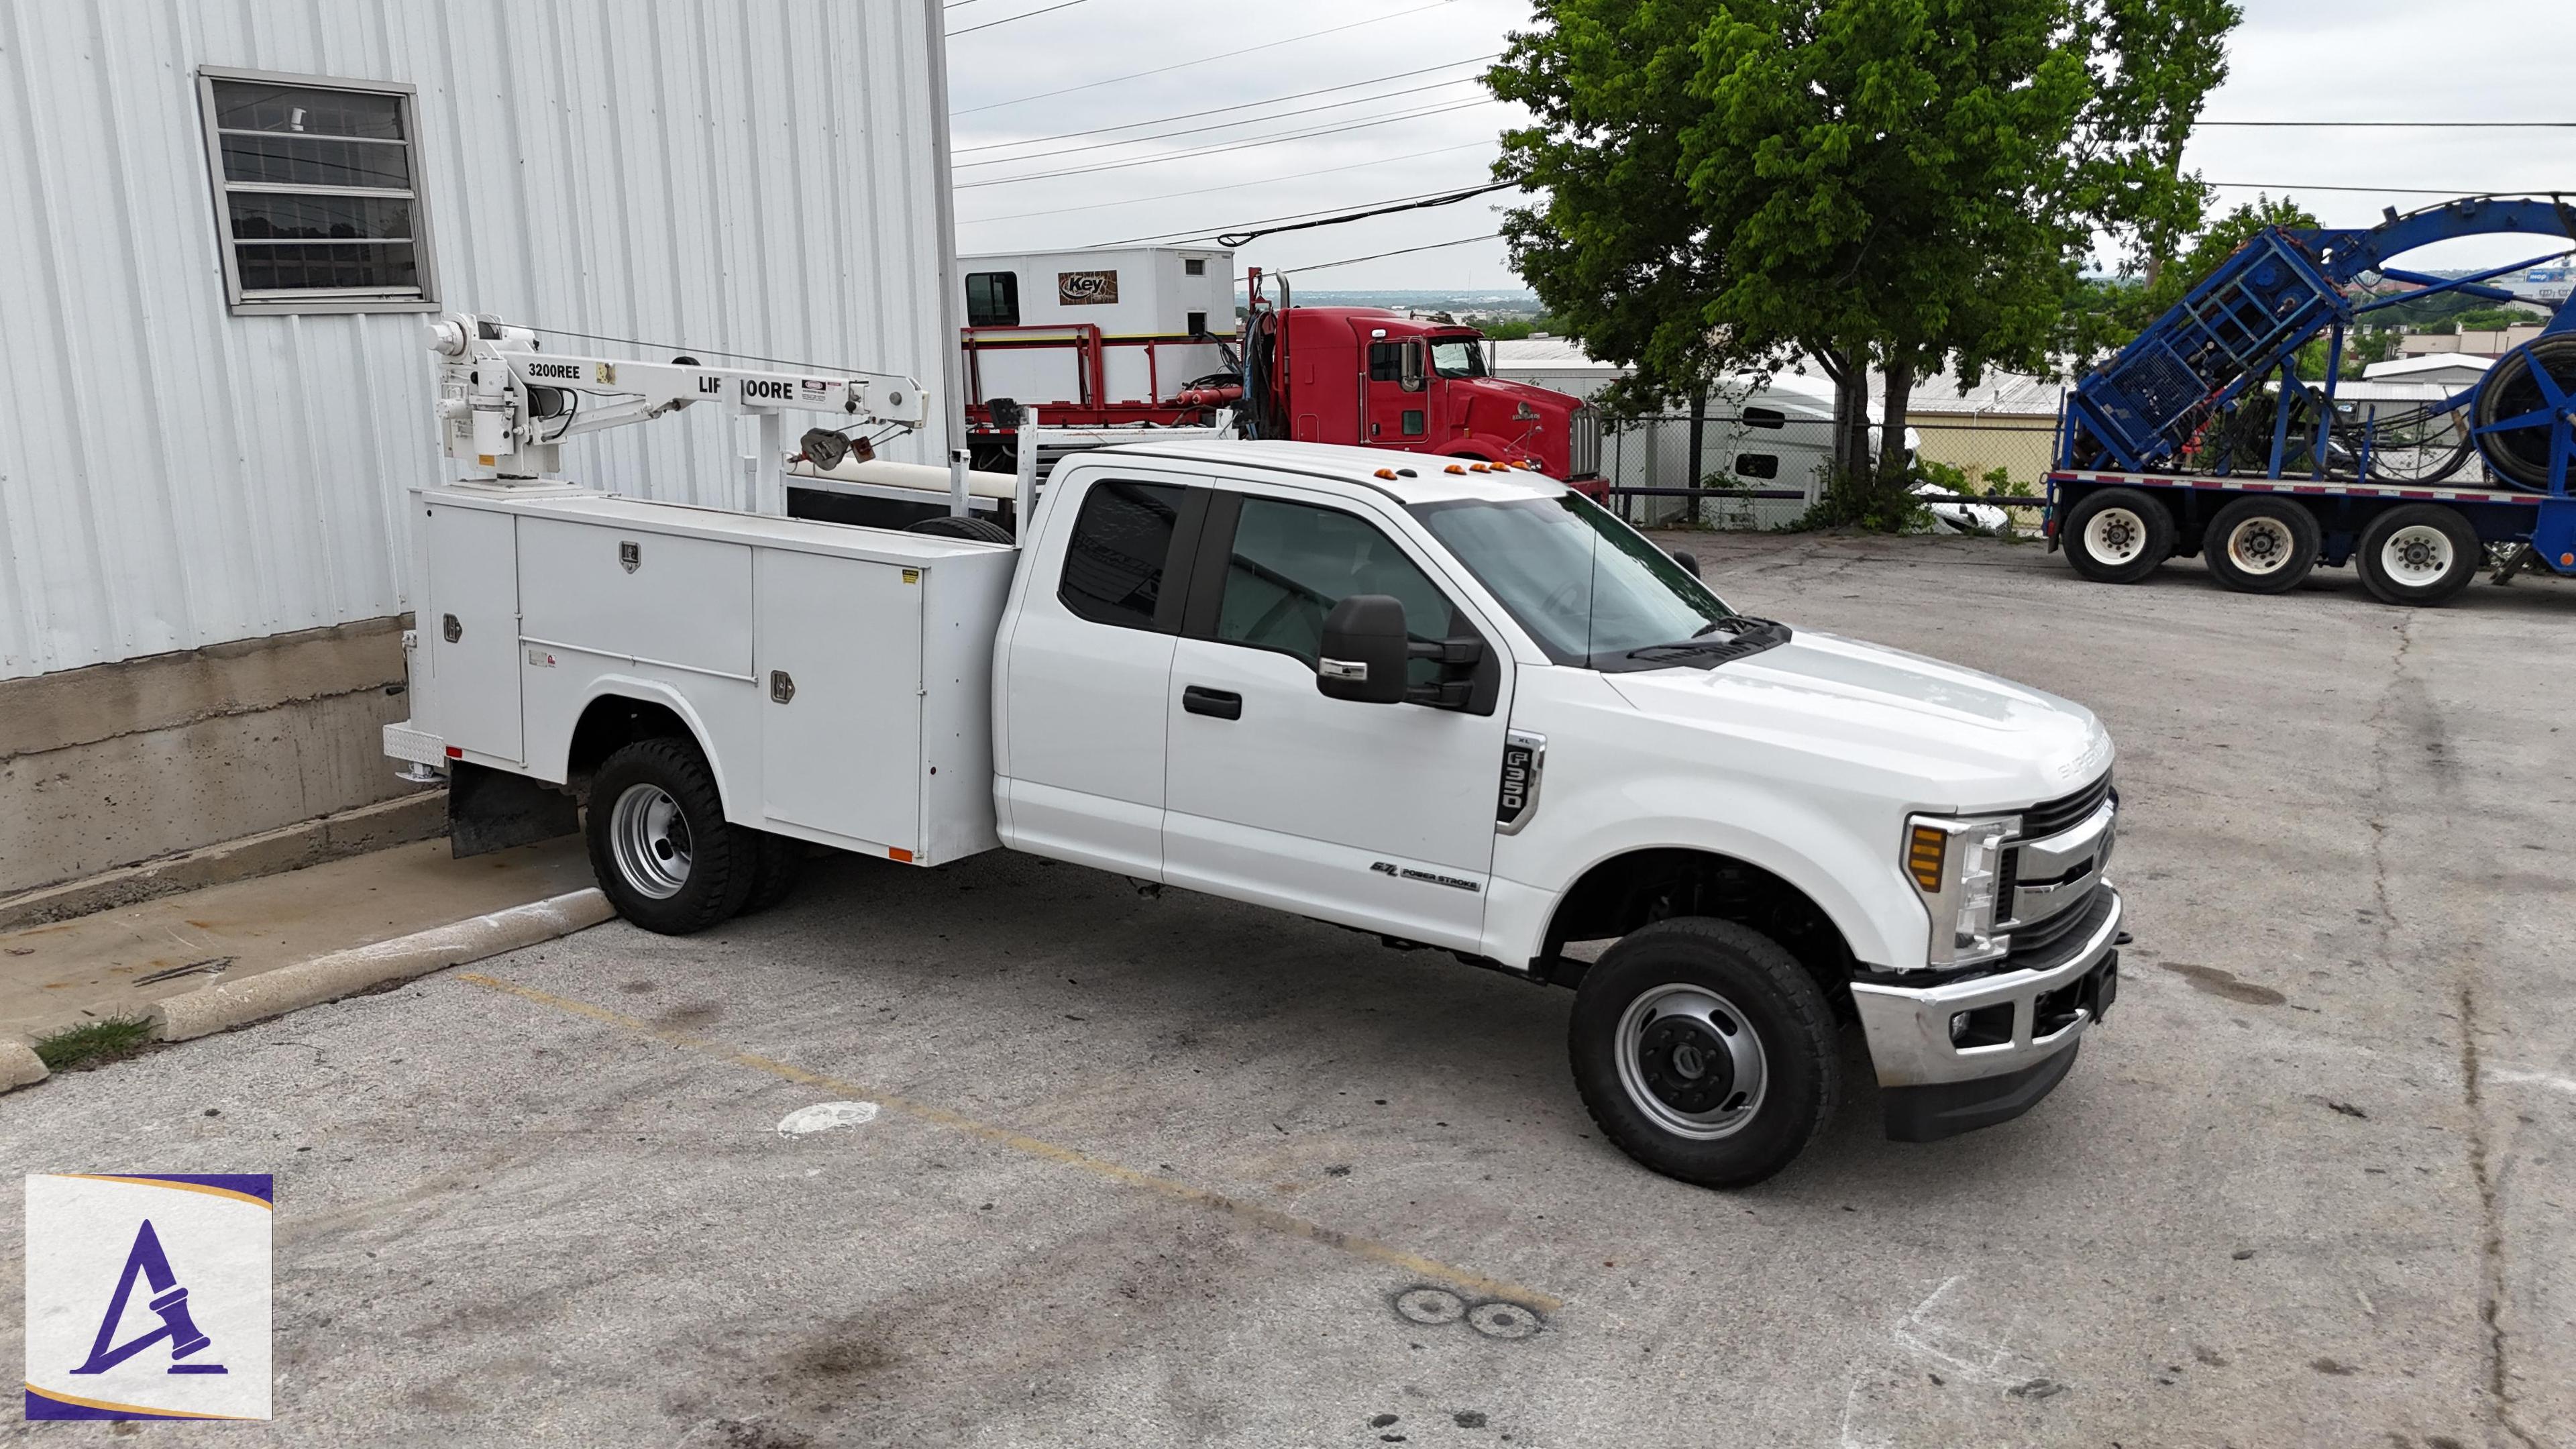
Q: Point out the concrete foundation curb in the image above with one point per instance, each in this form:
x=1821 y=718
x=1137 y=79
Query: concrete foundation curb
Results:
x=19 y=1064
x=327 y=978
x=307 y=842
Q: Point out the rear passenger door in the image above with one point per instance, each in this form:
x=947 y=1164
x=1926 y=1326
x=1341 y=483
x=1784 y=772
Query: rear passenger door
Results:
x=1089 y=662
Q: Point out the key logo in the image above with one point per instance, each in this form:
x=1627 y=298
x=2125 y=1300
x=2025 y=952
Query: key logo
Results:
x=148 y=1296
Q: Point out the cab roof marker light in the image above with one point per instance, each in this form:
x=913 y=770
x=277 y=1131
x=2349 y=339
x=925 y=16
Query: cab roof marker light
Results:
x=1387 y=473
x=1453 y=468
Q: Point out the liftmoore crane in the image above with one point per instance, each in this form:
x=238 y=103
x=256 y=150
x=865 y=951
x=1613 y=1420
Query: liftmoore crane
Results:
x=2203 y=435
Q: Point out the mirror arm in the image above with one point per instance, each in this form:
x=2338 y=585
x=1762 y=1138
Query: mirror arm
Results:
x=1467 y=650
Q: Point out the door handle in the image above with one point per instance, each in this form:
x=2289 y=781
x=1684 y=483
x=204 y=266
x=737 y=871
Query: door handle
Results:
x=1219 y=703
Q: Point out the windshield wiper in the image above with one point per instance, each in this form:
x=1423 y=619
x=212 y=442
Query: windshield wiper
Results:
x=1749 y=635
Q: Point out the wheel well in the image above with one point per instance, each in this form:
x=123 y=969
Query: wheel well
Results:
x=612 y=722
x=1644 y=886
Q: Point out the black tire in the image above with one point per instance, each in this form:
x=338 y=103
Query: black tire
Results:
x=949 y=525
x=2134 y=535
x=669 y=881
x=1652 y=1051
x=781 y=865
x=2262 y=545
x=2419 y=554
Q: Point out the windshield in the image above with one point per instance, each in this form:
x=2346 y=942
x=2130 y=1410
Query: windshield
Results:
x=1588 y=587
x=1457 y=357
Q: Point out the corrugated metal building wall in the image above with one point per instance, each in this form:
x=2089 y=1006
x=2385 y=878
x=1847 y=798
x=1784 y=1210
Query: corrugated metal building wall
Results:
x=759 y=178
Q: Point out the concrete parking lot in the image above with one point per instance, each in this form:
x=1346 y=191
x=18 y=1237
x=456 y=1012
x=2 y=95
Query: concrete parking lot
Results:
x=1170 y=1171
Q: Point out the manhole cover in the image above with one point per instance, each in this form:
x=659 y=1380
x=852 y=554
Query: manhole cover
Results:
x=1430 y=1305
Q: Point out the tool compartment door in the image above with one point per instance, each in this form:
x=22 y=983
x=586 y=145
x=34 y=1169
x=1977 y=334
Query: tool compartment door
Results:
x=474 y=597
x=839 y=669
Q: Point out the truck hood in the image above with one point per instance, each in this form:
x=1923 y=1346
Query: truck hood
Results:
x=1967 y=740
x=1506 y=396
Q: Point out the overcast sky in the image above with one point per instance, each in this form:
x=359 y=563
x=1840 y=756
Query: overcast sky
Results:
x=1421 y=125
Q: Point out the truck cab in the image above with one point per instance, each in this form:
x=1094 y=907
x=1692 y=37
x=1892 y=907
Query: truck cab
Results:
x=1427 y=387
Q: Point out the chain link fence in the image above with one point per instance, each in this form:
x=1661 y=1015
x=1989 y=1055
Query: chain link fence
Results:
x=1762 y=468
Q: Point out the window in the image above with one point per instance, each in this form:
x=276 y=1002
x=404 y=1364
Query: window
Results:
x=1386 y=362
x=1457 y=357
x=1194 y=267
x=1757 y=465
x=1113 y=564
x=992 y=299
x=1413 y=422
x=1198 y=324
x=317 y=193
x=1587 y=587
x=1292 y=562
x=1765 y=418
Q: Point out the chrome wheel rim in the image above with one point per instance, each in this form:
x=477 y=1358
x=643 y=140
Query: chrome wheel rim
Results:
x=2417 y=554
x=2115 y=535
x=650 y=838
x=1690 y=1061
x=2260 y=546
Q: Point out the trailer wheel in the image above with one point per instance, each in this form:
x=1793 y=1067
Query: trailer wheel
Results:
x=1705 y=1051
x=2260 y=545
x=659 y=843
x=2420 y=554
x=949 y=525
x=2117 y=536
x=781 y=864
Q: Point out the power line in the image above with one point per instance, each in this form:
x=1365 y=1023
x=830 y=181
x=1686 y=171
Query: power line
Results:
x=1202 y=60
x=1220 y=110
x=2372 y=190
x=1007 y=19
x=1373 y=256
x=1163 y=238
x=1230 y=186
x=1231 y=239
x=2412 y=125
x=1229 y=146
x=1217 y=126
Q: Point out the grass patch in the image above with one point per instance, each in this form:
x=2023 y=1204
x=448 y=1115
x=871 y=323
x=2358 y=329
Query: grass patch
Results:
x=94 y=1043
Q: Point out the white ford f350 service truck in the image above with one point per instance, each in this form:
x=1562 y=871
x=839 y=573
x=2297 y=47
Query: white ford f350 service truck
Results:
x=1453 y=706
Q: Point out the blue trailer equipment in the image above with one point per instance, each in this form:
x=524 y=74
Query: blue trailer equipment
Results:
x=2202 y=437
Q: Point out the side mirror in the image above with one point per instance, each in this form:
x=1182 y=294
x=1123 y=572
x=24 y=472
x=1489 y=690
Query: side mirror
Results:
x=1689 y=562
x=1365 y=650
x=1410 y=369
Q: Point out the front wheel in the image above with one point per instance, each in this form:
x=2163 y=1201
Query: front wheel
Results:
x=659 y=843
x=1705 y=1051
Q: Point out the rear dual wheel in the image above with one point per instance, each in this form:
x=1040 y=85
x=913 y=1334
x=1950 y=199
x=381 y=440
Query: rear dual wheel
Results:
x=2260 y=545
x=2116 y=535
x=2421 y=554
x=662 y=850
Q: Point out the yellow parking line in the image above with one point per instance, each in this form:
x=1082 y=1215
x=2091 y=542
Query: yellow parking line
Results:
x=1254 y=1213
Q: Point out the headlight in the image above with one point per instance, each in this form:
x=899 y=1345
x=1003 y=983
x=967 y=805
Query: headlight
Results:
x=1956 y=866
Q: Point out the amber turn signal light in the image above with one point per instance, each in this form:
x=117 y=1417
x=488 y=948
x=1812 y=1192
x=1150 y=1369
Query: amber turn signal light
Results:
x=1924 y=854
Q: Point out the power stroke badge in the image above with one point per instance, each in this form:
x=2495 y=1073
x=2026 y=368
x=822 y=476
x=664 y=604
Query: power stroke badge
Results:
x=148 y=1295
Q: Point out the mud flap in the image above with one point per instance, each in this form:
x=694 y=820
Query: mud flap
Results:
x=489 y=810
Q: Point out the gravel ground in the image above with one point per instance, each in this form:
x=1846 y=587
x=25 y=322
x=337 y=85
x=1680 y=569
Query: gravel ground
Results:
x=1169 y=1171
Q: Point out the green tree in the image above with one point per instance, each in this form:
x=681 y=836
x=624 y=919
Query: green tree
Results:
x=1905 y=184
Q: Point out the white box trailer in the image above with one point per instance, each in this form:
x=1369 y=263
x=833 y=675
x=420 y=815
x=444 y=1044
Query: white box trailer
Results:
x=1023 y=308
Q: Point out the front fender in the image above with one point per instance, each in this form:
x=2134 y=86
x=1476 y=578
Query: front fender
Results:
x=1853 y=879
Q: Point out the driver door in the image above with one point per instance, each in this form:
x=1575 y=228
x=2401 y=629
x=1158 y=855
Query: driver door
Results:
x=1374 y=815
x=1398 y=397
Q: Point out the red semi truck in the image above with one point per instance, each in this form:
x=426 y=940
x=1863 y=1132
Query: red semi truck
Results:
x=1092 y=339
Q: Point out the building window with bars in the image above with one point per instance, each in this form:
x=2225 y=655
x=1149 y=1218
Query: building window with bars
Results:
x=317 y=193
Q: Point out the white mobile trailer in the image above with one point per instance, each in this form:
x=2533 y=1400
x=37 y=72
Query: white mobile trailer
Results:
x=1127 y=293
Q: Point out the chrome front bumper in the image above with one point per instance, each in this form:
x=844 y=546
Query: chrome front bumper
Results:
x=1908 y=1027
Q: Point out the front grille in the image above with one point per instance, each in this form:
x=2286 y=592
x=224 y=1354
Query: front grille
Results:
x=2049 y=942
x=1583 y=444
x=2051 y=816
